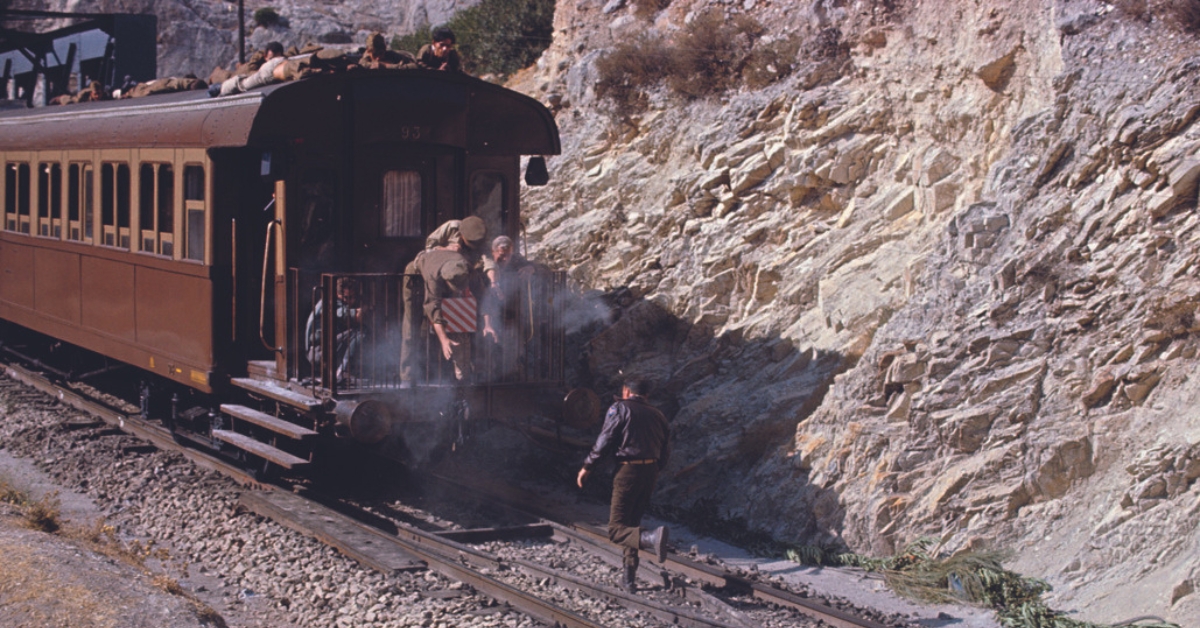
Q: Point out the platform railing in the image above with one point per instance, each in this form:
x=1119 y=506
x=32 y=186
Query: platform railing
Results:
x=356 y=345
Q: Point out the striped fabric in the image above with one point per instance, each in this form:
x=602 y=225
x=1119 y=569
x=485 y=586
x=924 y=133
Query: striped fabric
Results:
x=459 y=313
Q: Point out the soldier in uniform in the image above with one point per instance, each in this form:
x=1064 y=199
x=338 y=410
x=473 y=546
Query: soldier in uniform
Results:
x=378 y=57
x=445 y=273
x=465 y=237
x=637 y=435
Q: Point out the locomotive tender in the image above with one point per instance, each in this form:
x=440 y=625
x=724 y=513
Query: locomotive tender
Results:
x=191 y=237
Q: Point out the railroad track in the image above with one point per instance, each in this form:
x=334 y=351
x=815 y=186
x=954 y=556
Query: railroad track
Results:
x=456 y=554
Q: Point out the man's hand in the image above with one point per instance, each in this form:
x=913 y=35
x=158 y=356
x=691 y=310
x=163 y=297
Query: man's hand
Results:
x=448 y=347
x=583 y=473
x=489 y=332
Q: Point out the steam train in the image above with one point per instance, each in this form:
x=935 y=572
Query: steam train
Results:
x=192 y=238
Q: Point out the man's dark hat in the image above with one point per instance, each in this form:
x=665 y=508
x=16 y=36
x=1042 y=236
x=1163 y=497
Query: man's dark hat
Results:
x=473 y=231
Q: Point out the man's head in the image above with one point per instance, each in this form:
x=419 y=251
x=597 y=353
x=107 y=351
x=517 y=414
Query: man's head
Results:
x=636 y=386
x=454 y=273
x=502 y=249
x=473 y=231
x=443 y=41
x=347 y=289
x=376 y=43
x=274 y=49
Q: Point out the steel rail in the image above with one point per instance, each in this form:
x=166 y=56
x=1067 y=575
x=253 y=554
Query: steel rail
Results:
x=423 y=544
x=445 y=557
x=155 y=434
x=516 y=500
x=443 y=560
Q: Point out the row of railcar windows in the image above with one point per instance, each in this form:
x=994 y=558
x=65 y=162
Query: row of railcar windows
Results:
x=156 y=228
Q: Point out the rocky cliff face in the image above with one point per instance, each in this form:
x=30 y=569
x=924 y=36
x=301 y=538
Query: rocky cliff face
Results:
x=946 y=287
x=940 y=280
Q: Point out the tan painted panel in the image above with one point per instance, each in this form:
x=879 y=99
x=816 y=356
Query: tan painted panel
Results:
x=108 y=298
x=56 y=284
x=16 y=273
x=174 y=315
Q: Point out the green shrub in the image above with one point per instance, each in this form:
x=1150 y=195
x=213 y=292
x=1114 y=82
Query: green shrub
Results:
x=495 y=36
x=266 y=17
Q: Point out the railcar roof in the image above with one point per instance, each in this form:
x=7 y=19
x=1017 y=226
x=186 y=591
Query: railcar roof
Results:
x=471 y=113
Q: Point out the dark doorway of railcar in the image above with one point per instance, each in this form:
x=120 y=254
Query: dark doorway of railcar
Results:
x=243 y=208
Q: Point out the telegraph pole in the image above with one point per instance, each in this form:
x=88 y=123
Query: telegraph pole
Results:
x=241 y=31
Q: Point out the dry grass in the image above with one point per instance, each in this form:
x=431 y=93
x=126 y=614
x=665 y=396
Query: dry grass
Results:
x=1184 y=13
x=43 y=514
x=711 y=55
x=1181 y=14
x=646 y=9
x=102 y=538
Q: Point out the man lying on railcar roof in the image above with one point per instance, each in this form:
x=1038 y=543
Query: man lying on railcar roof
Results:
x=269 y=72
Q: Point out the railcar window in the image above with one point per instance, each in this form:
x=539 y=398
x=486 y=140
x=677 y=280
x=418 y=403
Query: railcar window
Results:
x=10 y=197
x=400 y=214
x=488 y=201
x=108 y=204
x=79 y=202
x=49 y=217
x=89 y=202
x=114 y=204
x=146 y=207
x=166 y=210
x=156 y=208
x=123 y=205
x=193 y=201
x=16 y=193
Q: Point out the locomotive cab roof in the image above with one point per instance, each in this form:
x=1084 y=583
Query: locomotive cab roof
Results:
x=423 y=106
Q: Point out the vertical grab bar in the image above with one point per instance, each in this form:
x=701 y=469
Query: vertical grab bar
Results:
x=262 y=297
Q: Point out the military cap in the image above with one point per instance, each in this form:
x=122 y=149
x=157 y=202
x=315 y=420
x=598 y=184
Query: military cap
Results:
x=473 y=231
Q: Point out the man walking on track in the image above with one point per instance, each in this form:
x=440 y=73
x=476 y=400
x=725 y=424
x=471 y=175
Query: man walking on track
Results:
x=637 y=435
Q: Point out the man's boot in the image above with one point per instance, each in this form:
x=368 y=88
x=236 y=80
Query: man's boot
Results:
x=655 y=541
x=629 y=581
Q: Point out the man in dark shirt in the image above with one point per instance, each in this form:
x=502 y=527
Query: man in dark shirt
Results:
x=440 y=55
x=638 y=436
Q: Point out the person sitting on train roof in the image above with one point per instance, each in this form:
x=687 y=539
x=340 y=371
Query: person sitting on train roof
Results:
x=440 y=55
x=378 y=57
x=266 y=74
x=348 y=329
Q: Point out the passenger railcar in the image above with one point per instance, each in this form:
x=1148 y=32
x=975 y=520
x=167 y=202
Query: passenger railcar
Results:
x=191 y=237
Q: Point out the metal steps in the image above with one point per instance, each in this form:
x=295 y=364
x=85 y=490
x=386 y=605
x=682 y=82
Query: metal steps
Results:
x=278 y=393
x=258 y=433
x=261 y=419
x=260 y=449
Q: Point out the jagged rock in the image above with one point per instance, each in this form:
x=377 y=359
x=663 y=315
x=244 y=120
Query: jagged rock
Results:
x=1102 y=386
x=753 y=171
x=996 y=73
x=899 y=206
